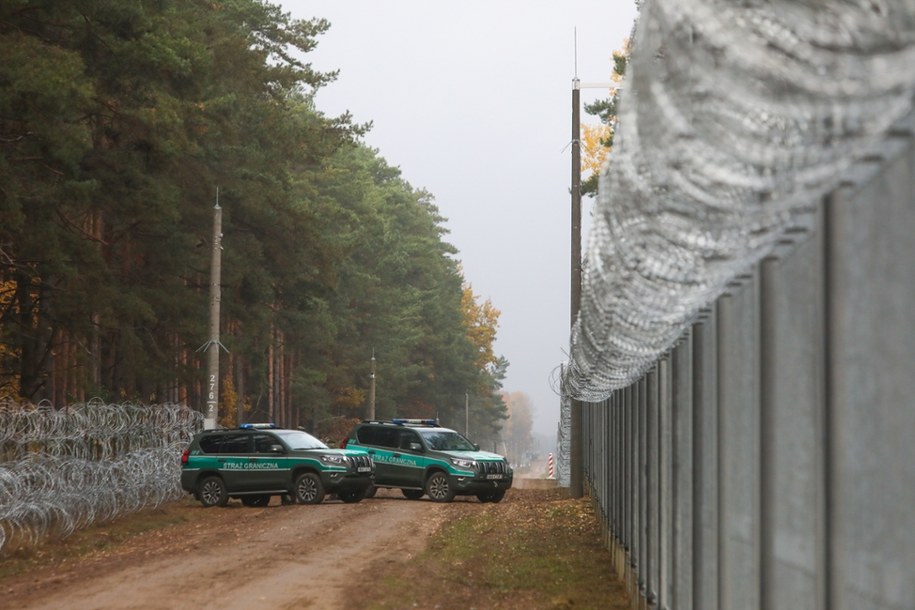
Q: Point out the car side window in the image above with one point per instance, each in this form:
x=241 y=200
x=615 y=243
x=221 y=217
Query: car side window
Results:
x=366 y=436
x=407 y=437
x=263 y=443
x=380 y=437
x=211 y=444
x=236 y=443
x=388 y=437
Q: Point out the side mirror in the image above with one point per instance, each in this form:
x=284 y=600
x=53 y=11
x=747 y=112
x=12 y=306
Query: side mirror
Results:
x=416 y=447
x=277 y=449
x=476 y=447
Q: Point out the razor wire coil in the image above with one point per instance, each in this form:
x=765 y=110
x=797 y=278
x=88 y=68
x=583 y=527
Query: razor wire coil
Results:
x=64 y=469
x=735 y=119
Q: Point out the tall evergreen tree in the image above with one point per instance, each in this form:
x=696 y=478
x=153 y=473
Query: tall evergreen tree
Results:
x=118 y=122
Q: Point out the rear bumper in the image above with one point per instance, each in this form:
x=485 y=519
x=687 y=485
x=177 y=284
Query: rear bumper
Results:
x=189 y=480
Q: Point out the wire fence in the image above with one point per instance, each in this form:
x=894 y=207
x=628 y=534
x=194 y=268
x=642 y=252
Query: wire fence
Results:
x=766 y=460
x=734 y=119
x=743 y=355
x=64 y=469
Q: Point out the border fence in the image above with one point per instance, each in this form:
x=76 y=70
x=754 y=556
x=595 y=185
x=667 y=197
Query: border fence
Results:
x=64 y=469
x=767 y=460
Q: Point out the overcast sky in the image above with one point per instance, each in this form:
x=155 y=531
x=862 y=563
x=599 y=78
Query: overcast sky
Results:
x=472 y=101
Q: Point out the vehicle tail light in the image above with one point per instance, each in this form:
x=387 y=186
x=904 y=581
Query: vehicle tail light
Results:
x=184 y=455
x=343 y=443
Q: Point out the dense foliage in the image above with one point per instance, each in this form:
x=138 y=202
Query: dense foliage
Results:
x=118 y=123
x=605 y=109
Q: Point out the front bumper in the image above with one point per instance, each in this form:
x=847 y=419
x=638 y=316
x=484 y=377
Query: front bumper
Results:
x=475 y=485
x=337 y=481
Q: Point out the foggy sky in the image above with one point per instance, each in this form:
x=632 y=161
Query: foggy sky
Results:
x=472 y=101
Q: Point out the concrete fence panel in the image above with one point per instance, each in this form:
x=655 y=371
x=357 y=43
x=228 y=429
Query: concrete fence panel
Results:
x=871 y=391
x=768 y=459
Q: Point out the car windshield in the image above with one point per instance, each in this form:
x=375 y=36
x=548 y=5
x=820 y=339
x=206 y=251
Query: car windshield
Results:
x=296 y=439
x=447 y=440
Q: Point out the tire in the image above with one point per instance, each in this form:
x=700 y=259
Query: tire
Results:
x=438 y=488
x=370 y=491
x=351 y=497
x=255 y=501
x=412 y=494
x=212 y=492
x=308 y=489
x=491 y=496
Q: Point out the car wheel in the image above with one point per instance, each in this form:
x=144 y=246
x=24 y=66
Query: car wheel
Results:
x=370 y=492
x=255 y=501
x=351 y=497
x=308 y=489
x=212 y=492
x=497 y=495
x=438 y=488
x=412 y=494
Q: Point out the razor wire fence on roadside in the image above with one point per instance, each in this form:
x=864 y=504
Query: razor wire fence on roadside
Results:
x=743 y=352
x=735 y=118
x=62 y=469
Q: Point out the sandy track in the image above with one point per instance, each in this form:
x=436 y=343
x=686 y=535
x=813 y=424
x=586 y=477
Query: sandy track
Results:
x=277 y=557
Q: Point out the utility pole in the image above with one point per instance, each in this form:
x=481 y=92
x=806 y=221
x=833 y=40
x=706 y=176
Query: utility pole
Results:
x=212 y=346
x=576 y=459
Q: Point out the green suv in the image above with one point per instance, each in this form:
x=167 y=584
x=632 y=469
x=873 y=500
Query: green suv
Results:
x=420 y=457
x=257 y=461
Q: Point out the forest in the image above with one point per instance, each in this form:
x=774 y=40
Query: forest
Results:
x=119 y=124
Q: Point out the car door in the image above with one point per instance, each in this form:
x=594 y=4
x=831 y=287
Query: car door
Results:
x=408 y=463
x=232 y=458
x=380 y=443
x=268 y=467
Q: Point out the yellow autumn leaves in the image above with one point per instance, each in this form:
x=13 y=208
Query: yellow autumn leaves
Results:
x=593 y=152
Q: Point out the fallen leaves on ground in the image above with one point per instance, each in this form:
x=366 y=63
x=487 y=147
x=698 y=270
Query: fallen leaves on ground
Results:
x=537 y=550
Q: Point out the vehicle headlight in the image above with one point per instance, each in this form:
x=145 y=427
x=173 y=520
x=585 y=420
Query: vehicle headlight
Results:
x=336 y=460
x=465 y=464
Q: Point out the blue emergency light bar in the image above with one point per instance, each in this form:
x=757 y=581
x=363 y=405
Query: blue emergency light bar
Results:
x=258 y=426
x=419 y=422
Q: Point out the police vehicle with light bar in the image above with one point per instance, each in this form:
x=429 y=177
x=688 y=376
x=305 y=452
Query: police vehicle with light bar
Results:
x=419 y=457
x=257 y=461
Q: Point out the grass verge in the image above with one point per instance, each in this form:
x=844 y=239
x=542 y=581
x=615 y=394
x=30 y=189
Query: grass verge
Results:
x=538 y=549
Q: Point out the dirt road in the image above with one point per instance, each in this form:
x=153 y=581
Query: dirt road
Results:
x=235 y=557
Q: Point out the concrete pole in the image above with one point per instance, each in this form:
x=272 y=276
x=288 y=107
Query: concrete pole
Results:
x=576 y=466
x=576 y=434
x=212 y=405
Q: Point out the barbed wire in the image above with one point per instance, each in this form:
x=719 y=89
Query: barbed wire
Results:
x=64 y=469
x=736 y=118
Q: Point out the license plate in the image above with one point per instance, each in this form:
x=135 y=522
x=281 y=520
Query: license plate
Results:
x=364 y=469
x=494 y=476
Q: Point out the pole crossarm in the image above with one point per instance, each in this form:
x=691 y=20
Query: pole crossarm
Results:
x=207 y=345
